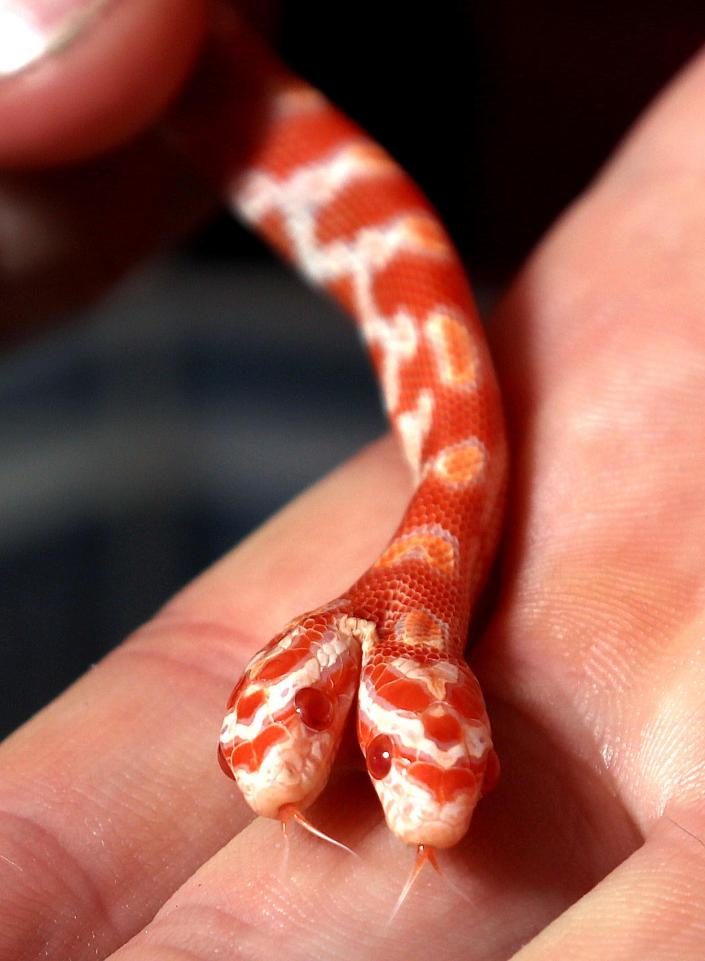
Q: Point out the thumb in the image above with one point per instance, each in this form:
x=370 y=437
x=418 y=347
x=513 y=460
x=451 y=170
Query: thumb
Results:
x=78 y=77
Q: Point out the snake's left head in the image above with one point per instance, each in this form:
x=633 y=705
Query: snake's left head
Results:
x=423 y=728
x=285 y=717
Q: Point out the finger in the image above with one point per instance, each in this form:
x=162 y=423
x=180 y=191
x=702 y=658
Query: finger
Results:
x=112 y=796
x=67 y=235
x=498 y=887
x=601 y=349
x=94 y=73
x=650 y=907
x=598 y=638
x=322 y=903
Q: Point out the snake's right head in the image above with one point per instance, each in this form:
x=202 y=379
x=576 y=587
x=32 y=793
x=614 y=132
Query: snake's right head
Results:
x=285 y=716
x=424 y=731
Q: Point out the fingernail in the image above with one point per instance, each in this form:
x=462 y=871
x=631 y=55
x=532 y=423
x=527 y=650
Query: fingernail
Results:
x=31 y=29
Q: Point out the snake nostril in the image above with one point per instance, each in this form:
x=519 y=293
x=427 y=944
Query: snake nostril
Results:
x=380 y=752
x=314 y=707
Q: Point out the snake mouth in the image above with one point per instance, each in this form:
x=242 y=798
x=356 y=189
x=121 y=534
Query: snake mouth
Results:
x=435 y=834
x=286 y=776
x=422 y=815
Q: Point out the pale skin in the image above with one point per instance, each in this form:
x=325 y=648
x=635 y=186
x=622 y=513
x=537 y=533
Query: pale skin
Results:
x=593 y=660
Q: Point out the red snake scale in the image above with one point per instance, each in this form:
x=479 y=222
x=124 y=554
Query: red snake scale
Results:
x=333 y=203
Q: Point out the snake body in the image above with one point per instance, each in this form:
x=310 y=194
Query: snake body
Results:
x=332 y=202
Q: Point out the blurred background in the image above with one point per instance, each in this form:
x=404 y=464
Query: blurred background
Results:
x=166 y=420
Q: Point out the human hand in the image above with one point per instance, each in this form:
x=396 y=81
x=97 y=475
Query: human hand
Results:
x=592 y=663
x=88 y=184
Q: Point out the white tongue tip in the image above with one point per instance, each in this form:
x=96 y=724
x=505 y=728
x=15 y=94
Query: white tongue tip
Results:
x=291 y=813
x=424 y=854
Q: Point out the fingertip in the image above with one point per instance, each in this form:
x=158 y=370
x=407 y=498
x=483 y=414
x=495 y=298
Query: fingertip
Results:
x=110 y=81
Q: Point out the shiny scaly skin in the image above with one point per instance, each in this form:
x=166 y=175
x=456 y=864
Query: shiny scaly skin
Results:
x=336 y=205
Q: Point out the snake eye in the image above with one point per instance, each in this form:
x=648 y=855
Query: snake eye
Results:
x=379 y=756
x=314 y=707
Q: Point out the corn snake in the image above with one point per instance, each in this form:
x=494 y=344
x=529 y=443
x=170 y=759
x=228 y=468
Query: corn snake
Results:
x=332 y=202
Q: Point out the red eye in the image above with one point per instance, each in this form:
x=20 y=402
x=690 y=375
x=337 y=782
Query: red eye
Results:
x=379 y=756
x=314 y=707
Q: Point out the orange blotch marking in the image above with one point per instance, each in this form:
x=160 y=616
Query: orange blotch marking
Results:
x=461 y=464
x=305 y=641
x=457 y=780
x=299 y=97
x=466 y=698
x=443 y=283
x=441 y=727
x=434 y=550
x=364 y=733
x=379 y=675
x=454 y=349
x=250 y=754
x=342 y=289
x=224 y=763
x=243 y=755
x=356 y=204
x=418 y=627
x=428 y=775
x=429 y=234
x=280 y=664
x=444 y=784
x=303 y=138
x=248 y=705
x=235 y=693
x=406 y=695
x=273 y=228
x=373 y=154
